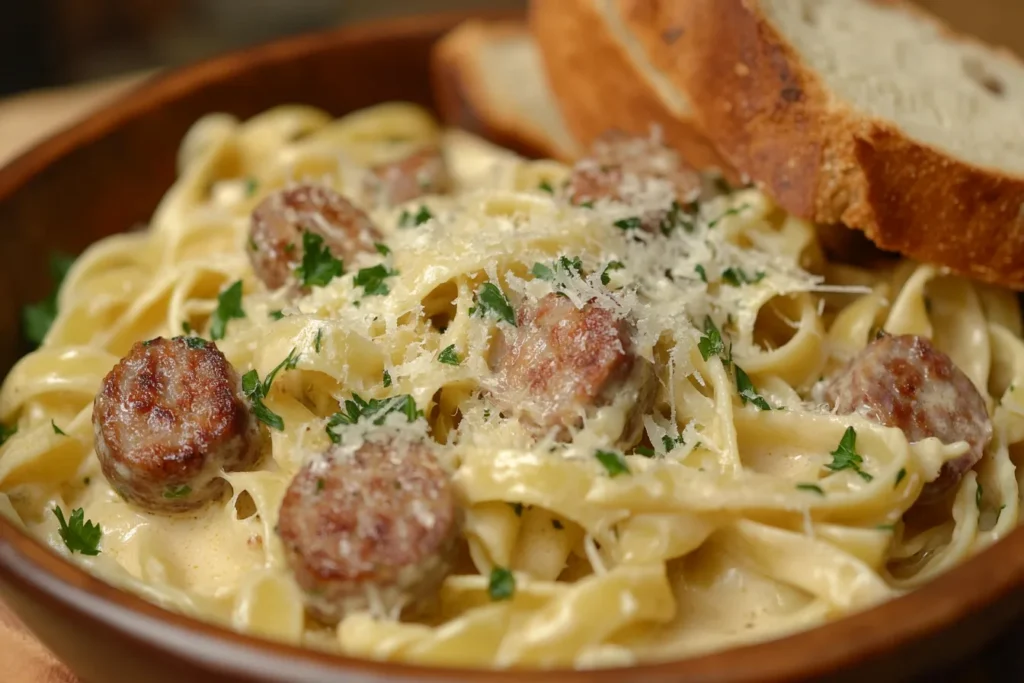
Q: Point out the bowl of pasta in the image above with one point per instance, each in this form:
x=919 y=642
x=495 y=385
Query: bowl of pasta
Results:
x=447 y=411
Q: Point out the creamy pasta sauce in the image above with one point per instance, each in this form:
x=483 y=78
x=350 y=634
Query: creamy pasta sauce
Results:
x=724 y=525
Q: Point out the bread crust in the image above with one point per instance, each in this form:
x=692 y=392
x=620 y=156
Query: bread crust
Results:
x=773 y=118
x=461 y=96
x=580 y=52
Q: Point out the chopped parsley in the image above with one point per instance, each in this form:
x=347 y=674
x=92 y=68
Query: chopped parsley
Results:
x=357 y=408
x=569 y=266
x=276 y=315
x=79 y=535
x=229 y=306
x=701 y=273
x=545 y=186
x=814 y=488
x=738 y=276
x=613 y=462
x=7 y=432
x=846 y=457
x=449 y=356
x=186 y=327
x=192 y=342
x=613 y=265
x=256 y=391
x=318 y=266
x=411 y=220
x=387 y=378
x=251 y=185
x=382 y=248
x=177 y=491
x=57 y=430
x=678 y=216
x=318 y=341
x=669 y=443
x=372 y=280
x=490 y=300
x=899 y=476
x=502 y=584
x=711 y=344
x=645 y=451
x=725 y=214
x=37 y=318
x=748 y=393
x=886 y=527
x=631 y=223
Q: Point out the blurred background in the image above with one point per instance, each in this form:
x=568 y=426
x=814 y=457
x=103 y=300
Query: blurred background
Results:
x=57 y=42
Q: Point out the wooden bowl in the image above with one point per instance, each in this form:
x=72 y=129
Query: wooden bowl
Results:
x=107 y=174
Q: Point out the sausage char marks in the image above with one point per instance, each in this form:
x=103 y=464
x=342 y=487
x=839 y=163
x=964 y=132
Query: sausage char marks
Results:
x=168 y=419
x=279 y=221
x=634 y=170
x=904 y=381
x=562 y=362
x=370 y=527
x=421 y=173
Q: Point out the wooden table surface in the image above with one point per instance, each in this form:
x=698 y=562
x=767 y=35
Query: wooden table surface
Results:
x=27 y=119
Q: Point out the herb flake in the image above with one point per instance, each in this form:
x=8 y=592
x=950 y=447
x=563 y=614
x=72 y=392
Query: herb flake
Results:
x=613 y=462
x=748 y=393
x=318 y=266
x=502 y=584
x=57 y=430
x=372 y=280
x=490 y=300
x=357 y=408
x=449 y=356
x=813 y=488
x=229 y=307
x=37 y=318
x=846 y=457
x=78 y=534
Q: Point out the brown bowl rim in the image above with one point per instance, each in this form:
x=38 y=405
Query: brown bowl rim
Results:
x=29 y=563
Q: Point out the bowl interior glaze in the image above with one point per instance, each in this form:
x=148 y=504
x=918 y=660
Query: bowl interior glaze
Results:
x=107 y=173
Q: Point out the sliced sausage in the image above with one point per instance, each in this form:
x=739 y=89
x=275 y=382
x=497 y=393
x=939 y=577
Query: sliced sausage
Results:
x=373 y=527
x=561 y=362
x=634 y=170
x=279 y=221
x=904 y=381
x=421 y=173
x=168 y=419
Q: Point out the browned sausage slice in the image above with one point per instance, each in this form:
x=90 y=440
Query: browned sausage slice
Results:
x=421 y=173
x=622 y=167
x=168 y=419
x=279 y=221
x=904 y=381
x=373 y=527
x=561 y=362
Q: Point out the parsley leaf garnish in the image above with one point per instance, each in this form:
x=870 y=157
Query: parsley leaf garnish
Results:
x=644 y=451
x=79 y=535
x=564 y=264
x=186 y=327
x=612 y=265
x=319 y=339
x=377 y=410
x=372 y=280
x=502 y=584
x=449 y=356
x=703 y=274
x=669 y=443
x=814 y=488
x=711 y=344
x=545 y=186
x=318 y=266
x=725 y=214
x=37 y=318
x=276 y=315
x=7 y=432
x=381 y=248
x=256 y=391
x=57 y=430
x=192 y=342
x=631 y=223
x=251 y=185
x=899 y=476
x=678 y=216
x=229 y=306
x=411 y=220
x=387 y=378
x=748 y=393
x=181 y=491
x=613 y=462
x=846 y=457
x=738 y=276
x=490 y=300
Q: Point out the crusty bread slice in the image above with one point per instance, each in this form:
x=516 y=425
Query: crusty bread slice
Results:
x=867 y=112
x=488 y=80
x=603 y=80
